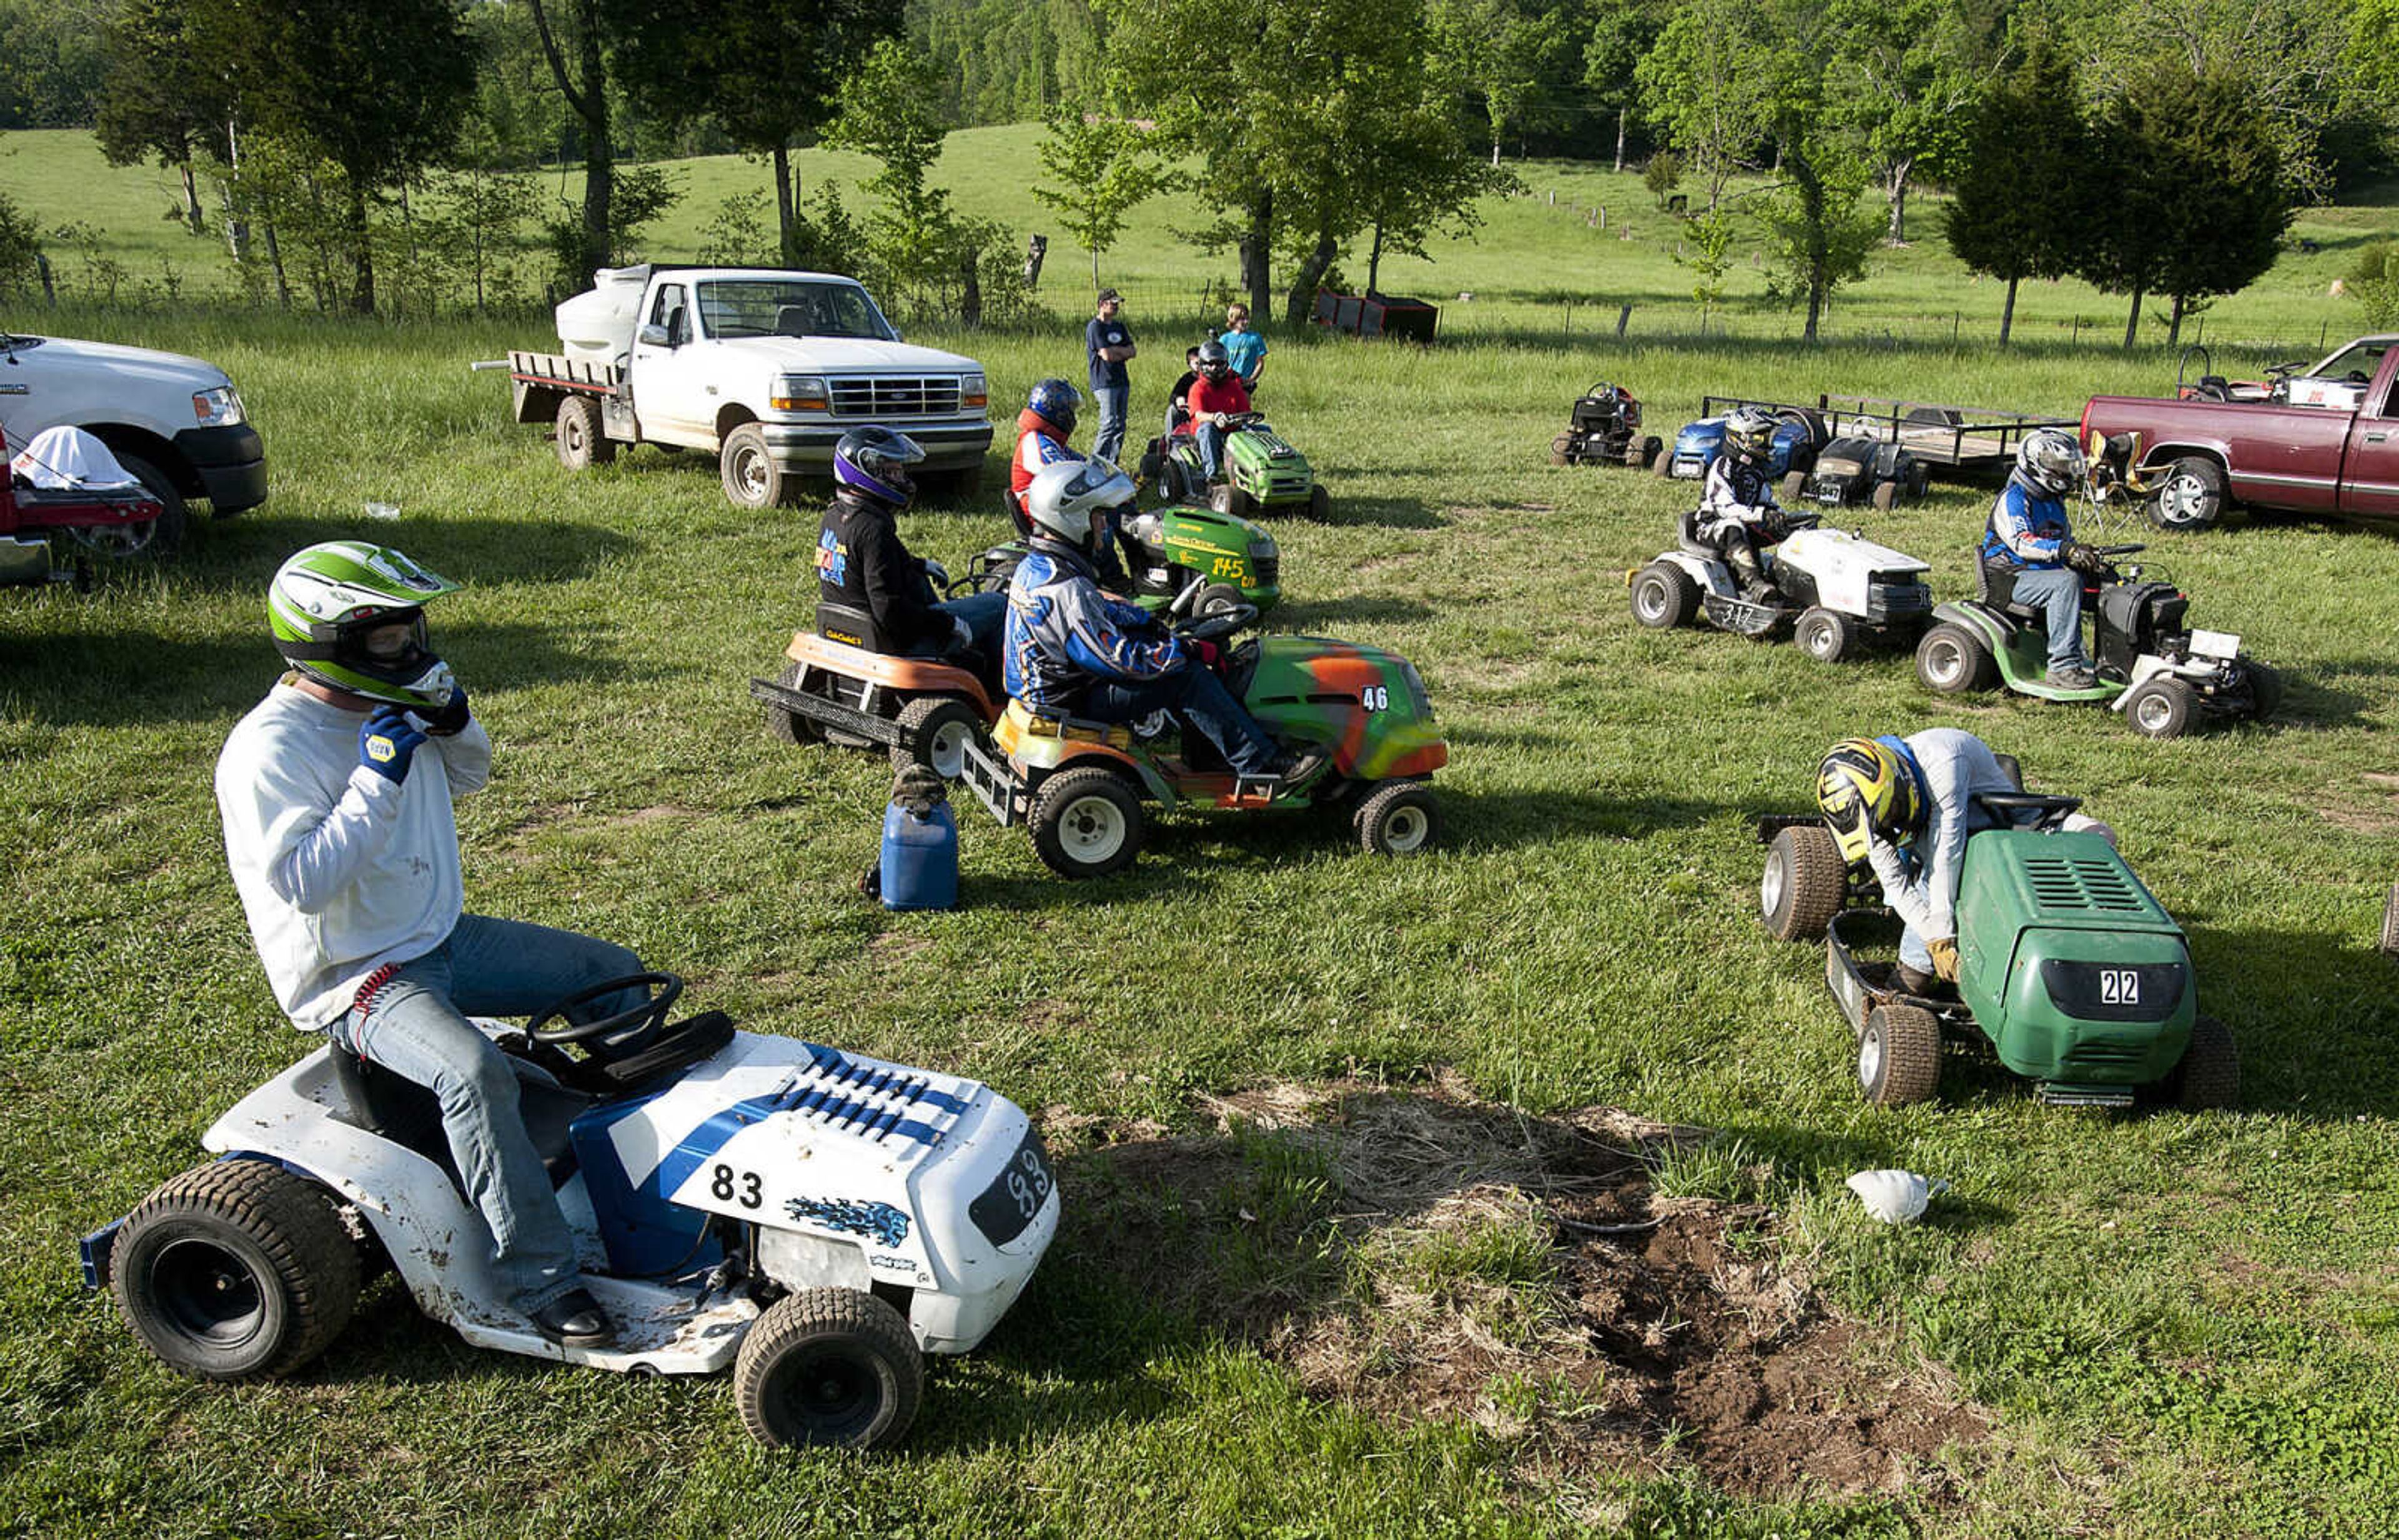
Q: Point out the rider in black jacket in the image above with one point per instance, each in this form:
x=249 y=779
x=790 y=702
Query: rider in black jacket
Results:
x=863 y=565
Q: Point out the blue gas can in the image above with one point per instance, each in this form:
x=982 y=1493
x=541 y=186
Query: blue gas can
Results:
x=920 y=855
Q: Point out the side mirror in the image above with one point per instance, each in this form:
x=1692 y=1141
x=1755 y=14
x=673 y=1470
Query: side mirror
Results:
x=655 y=335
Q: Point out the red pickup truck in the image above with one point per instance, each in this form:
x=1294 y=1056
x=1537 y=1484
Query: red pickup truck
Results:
x=2339 y=456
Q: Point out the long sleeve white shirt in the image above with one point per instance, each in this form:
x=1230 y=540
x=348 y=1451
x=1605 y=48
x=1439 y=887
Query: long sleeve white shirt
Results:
x=340 y=869
x=1958 y=767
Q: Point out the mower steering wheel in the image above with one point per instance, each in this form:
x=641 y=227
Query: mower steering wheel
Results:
x=651 y=1013
x=2111 y=552
x=1218 y=625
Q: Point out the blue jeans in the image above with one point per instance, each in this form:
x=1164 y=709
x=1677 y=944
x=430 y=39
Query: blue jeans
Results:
x=416 y=1027
x=1196 y=696
x=1113 y=400
x=983 y=613
x=2058 y=592
x=1211 y=448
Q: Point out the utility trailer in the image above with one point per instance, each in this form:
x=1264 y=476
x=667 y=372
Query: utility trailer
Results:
x=1957 y=443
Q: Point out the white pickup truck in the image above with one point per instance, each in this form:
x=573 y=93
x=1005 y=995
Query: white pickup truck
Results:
x=764 y=368
x=175 y=424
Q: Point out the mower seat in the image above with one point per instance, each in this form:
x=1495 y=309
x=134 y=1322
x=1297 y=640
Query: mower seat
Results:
x=846 y=624
x=1687 y=535
x=1996 y=585
x=394 y=1107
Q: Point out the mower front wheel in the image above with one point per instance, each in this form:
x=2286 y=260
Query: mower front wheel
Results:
x=1559 y=450
x=1086 y=823
x=2160 y=708
x=829 y=1367
x=1804 y=885
x=1899 y=1055
x=1664 y=596
x=1397 y=820
x=1319 y=503
x=1886 y=496
x=236 y=1270
x=1826 y=635
x=2209 y=1074
x=1231 y=501
x=934 y=731
x=1793 y=483
x=2265 y=689
x=1952 y=660
x=1661 y=465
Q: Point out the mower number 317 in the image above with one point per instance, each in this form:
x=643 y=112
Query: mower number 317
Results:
x=724 y=1187
x=2119 y=987
x=1374 y=698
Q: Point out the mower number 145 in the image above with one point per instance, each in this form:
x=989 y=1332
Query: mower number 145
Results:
x=2120 y=987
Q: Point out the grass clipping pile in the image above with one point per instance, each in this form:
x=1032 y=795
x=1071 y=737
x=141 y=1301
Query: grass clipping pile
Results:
x=1422 y=1254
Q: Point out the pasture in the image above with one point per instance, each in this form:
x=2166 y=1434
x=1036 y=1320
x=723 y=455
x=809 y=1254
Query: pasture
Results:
x=2139 y=1326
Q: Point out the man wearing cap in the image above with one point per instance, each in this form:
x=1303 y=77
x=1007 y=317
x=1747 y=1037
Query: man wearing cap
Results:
x=1109 y=342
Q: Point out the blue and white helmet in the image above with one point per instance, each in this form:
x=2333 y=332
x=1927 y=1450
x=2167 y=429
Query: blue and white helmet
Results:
x=873 y=462
x=1056 y=401
x=1068 y=501
x=2050 y=460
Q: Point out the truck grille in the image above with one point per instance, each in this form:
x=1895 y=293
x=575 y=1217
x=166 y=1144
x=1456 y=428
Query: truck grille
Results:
x=2064 y=883
x=876 y=397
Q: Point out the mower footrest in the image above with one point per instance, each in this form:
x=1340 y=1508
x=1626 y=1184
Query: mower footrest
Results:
x=2051 y=1093
x=833 y=713
x=987 y=775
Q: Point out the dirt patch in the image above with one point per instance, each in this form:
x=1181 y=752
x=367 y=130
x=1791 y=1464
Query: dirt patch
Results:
x=1422 y=1254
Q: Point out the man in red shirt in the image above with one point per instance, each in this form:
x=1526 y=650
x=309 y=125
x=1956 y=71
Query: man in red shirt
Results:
x=1216 y=395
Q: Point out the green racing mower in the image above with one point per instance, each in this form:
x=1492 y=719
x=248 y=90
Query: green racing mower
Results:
x=1259 y=473
x=2068 y=969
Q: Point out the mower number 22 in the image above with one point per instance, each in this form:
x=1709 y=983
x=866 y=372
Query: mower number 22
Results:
x=2120 y=987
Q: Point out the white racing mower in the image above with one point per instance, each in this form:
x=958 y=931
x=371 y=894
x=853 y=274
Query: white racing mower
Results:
x=1837 y=588
x=817 y=1218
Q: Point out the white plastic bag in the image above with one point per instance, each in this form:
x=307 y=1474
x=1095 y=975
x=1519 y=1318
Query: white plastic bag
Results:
x=1895 y=1197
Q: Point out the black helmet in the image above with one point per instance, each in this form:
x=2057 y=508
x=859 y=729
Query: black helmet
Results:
x=873 y=462
x=1215 y=362
x=1055 y=401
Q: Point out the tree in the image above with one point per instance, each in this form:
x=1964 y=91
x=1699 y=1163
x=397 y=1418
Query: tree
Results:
x=2021 y=204
x=2373 y=282
x=584 y=90
x=165 y=91
x=2202 y=203
x=1905 y=72
x=766 y=70
x=1706 y=85
x=1506 y=52
x=1620 y=35
x=54 y=63
x=1105 y=168
x=1711 y=259
x=891 y=110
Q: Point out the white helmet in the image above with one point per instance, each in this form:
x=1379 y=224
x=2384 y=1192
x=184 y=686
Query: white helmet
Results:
x=1066 y=500
x=2050 y=460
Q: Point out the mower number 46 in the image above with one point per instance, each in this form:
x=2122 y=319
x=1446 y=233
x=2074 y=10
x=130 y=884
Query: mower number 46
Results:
x=1376 y=697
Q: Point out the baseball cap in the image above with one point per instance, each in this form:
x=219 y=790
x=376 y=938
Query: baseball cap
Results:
x=1107 y=295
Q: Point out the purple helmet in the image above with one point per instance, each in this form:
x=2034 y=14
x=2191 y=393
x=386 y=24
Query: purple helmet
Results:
x=873 y=462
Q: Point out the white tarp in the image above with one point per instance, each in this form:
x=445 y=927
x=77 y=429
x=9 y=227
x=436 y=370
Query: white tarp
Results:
x=68 y=457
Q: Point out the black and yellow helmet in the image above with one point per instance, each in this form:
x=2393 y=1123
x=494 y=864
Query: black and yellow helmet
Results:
x=1864 y=790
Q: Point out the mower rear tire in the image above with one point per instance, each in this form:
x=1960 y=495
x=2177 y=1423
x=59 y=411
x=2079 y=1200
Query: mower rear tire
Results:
x=1319 y=503
x=1086 y=823
x=1664 y=596
x=1398 y=818
x=2209 y=1074
x=1558 y=455
x=2160 y=708
x=2265 y=689
x=934 y=731
x=2192 y=498
x=746 y=468
x=1661 y=465
x=582 y=441
x=1793 y=483
x=235 y=1270
x=1231 y=501
x=1886 y=496
x=1951 y=659
x=829 y=1367
x=2389 y=942
x=1804 y=885
x=1899 y=1055
x=1919 y=480
x=786 y=726
x=1826 y=635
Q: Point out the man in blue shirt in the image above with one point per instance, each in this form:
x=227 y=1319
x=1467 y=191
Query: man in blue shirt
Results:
x=2030 y=541
x=1109 y=342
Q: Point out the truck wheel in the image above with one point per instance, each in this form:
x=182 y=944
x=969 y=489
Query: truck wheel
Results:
x=934 y=731
x=2209 y=1074
x=1899 y=1055
x=2160 y=708
x=1086 y=823
x=583 y=439
x=789 y=726
x=747 y=469
x=2389 y=942
x=161 y=537
x=1826 y=635
x=2192 y=498
x=1952 y=659
x=1399 y=819
x=1886 y=496
x=828 y=1367
x=236 y=1270
x=1793 y=483
x=2265 y=689
x=1664 y=596
x=1804 y=885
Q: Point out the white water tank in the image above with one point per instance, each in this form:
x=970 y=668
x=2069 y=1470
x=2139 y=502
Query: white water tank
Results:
x=597 y=325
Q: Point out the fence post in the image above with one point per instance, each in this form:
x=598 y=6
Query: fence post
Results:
x=50 y=294
x=2078 y=331
x=1569 y=329
x=1623 y=320
x=1955 y=317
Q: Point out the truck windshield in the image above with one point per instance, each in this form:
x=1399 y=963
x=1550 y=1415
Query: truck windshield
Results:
x=781 y=308
x=2355 y=364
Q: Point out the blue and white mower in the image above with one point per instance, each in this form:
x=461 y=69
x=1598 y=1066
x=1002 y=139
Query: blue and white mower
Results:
x=817 y=1218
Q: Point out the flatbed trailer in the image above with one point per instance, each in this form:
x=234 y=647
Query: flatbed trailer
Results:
x=1957 y=442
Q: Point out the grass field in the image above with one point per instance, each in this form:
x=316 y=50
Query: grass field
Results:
x=2170 y=1326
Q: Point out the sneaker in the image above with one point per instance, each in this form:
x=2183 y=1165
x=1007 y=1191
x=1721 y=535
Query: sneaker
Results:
x=575 y=1320
x=1916 y=982
x=2073 y=678
x=1296 y=769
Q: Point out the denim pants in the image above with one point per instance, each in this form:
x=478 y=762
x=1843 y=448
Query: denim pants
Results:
x=2058 y=592
x=1113 y=400
x=1195 y=694
x=416 y=1027
x=1211 y=449
x=983 y=613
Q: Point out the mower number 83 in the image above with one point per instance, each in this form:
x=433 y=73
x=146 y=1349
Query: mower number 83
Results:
x=1374 y=698
x=722 y=1187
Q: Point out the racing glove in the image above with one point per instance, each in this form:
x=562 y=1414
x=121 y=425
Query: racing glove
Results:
x=1944 y=957
x=961 y=635
x=386 y=742
x=2082 y=558
x=451 y=718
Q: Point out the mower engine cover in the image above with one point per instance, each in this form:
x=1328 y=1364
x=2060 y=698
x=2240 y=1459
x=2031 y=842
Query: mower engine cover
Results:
x=1852 y=574
x=1367 y=705
x=1268 y=468
x=1849 y=469
x=2071 y=967
x=2136 y=619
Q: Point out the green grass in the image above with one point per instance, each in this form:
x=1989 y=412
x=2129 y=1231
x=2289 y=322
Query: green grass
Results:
x=2183 y=1324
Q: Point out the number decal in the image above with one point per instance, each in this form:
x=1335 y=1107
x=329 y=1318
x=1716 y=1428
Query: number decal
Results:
x=1028 y=1183
x=1228 y=567
x=2120 y=987
x=722 y=1183
x=1374 y=698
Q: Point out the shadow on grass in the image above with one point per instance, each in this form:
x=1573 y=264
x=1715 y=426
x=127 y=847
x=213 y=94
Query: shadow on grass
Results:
x=241 y=555
x=1399 y=513
x=1358 y=610
x=2314 y=1017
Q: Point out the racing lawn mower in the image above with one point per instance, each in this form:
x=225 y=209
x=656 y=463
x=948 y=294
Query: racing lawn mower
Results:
x=1798 y=434
x=1864 y=470
x=2068 y=969
x=1604 y=427
x=817 y=1218
x=842 y=686
x=1261 y=472
x=1078 y=786
x=1166 y=551
x=1837 y=589
x=2151 y=666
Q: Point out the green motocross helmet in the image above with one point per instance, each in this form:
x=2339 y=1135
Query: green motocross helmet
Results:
x=326 y=599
